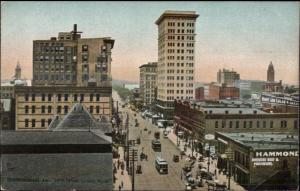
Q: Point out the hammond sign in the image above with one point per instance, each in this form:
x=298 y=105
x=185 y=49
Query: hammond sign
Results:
x=277 y=154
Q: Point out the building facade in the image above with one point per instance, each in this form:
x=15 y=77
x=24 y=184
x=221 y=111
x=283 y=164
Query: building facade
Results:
x=247 y=87
x=260 y=161
x=148 y=83
x=227 y=77
x=199 y=93
x=223 y=91
x=176 y=59
x=197 y=119
x=36 y=106
x=7 y=114
x=72 y=60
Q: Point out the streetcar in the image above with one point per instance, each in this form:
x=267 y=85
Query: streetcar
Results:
x=161 y=165
x=156 y=145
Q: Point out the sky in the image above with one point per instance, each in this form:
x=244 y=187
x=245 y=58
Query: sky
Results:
x=244 y=36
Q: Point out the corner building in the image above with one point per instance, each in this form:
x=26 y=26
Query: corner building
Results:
x=176 y=59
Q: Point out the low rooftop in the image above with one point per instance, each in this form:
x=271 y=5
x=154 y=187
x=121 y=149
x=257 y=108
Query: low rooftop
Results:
x=265 y=140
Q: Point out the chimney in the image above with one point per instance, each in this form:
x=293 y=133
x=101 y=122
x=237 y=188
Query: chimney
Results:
x=75 y=32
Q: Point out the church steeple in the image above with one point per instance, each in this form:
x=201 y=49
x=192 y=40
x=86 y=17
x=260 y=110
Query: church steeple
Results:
x=271 y=73
x=18 y=71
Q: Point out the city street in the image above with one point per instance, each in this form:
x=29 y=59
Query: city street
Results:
x=150 y=179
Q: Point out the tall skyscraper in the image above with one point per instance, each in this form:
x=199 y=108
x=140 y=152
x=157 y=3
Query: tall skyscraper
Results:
x=148 y=82
x=227 y=77
x=176 y=59
x=72 y=60
x=271 y=73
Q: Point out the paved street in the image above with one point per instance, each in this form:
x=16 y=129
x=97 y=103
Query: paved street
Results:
x=150 y=179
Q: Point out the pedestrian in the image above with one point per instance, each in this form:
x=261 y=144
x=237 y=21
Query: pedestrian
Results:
x=215 y=171
x=119 y=187
x=122 y=183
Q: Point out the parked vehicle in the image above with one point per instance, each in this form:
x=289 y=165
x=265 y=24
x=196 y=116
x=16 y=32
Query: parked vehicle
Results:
x=157 y=134
x=175 y=158
x=206 y=175
x=139 y=169
x=138 y=140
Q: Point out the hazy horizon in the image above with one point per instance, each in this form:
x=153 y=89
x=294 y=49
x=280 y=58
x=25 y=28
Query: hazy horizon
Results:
x=245 y=36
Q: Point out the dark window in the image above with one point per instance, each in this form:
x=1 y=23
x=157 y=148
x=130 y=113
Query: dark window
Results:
x=43 y=97
x=49 y=121
x=295 y=124
x=285 y=123
x=226 y=112
x=245 y=124
x=91 y=97
x=97 y=97
x=223 y=124
x=91 y=109
x=250 y=124
x=75 y=97
x=66 y=97
x=33 y=109
x=26 y=109
x=26 y=97
x=216 y=124
x=33 y=97
x=33 y=123
x=59 y=109
x=43 y=109
x=26 y=122
x=230 y=124
x=49 y=109
x=97 y=109
x=257 y=124
x=58 y=97
x=264 y=124
x=43 y=122
x=81 y=97
x=237 y=124
x=271 y=124
x=66 y=109
x=85 y=48
x=240 y=112
x=49 y=97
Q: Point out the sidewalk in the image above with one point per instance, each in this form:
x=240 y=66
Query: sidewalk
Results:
x=125 y=177
x=212 y=167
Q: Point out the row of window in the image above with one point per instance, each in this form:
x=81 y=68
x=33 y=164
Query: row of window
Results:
x=180 y=64
x=65 y=97
x=169 y=98
x=59 y=109
x=180 y=57
x=249 y=124
x=33 y=123
x=171 y=37
x=172 y=24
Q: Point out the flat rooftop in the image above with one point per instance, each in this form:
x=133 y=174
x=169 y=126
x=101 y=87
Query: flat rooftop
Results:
x=265 y=140
x=52 y=138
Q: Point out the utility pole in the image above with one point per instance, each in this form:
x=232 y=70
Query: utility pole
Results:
x=133 y=169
